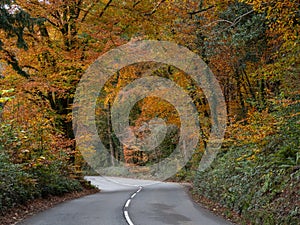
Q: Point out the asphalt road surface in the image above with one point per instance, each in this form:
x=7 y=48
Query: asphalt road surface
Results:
x=128 y=201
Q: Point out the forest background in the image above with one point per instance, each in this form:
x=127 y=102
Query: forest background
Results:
x=252 y=47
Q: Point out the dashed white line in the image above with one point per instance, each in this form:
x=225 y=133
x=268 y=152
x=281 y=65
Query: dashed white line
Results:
x=132 y=196
x=126 y=214
x=127 y=203
x=128 y=218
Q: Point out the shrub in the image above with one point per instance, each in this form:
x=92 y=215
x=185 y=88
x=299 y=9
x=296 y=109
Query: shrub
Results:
x=257 y=174
x=16 y=186
x=52 y=181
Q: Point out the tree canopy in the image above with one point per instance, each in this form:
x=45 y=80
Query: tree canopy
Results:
x=252 y=47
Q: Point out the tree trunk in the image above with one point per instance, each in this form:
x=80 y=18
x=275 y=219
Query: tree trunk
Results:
x=109 y=132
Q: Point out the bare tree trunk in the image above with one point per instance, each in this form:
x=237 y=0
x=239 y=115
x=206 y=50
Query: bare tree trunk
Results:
x=239 y=93
x=109 y=132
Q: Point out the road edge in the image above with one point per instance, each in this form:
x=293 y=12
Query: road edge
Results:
x=214 y=207
x=21 y=212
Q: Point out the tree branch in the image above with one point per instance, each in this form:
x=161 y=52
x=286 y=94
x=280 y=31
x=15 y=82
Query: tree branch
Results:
x=218 y=21
x=11 y=60
x=136 y=3
x=232 y=23
x=155 y=8
x=87 y=11
x=105 y=8
x=201 y=10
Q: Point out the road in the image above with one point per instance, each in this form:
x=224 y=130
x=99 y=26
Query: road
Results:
x=128 y=201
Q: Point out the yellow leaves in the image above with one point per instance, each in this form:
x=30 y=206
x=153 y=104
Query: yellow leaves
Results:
x=283 y=39
x=241 y=158
x=245 y=156
x=5 y=99
x=250 y=157
x=281 y=15
x=222 y=4
x=180 y=78
x=41 y=159
x=154 y=107
x=257 y=126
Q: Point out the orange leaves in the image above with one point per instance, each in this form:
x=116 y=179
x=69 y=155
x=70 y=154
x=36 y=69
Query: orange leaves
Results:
x=134 y=156
x=154 y=107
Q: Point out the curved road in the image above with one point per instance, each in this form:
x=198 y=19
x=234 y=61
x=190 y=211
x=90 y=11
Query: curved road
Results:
x=127 y=201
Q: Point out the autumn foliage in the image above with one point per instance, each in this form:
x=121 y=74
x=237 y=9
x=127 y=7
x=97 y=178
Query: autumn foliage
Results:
x=252 y=47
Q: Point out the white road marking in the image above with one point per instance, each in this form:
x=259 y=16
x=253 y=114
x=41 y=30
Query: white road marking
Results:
x=128 y=218
x=127 y=203
x=126 y=214
x=132 y=196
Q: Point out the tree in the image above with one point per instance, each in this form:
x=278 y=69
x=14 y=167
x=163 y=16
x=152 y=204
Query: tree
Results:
x=14 y=21
x=281 y=67
x=73 y=35
x=248 y=50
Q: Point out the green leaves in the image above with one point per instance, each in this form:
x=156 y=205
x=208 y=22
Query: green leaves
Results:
x=258 y=176
x=2 y=92
x=5 y=99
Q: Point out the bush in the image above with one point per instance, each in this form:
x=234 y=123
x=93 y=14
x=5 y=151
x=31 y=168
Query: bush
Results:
x=16 y=186
x=51 y=181
x=257 y=174
x=29 y=170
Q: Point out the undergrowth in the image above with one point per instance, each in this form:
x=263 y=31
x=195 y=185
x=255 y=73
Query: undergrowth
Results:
x=257 y=173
